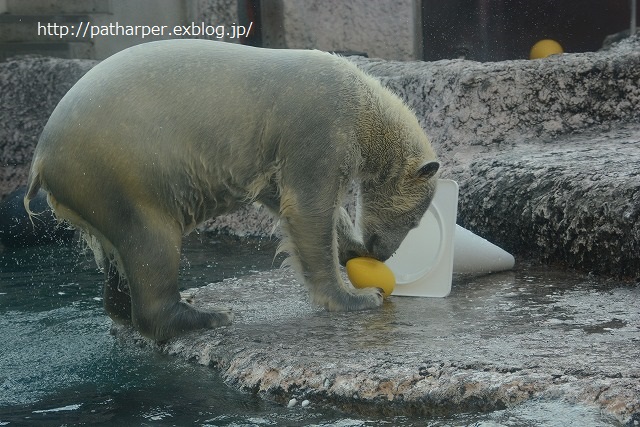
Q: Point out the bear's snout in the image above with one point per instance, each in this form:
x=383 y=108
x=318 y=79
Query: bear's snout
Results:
x=372 y=242
x=376 y=248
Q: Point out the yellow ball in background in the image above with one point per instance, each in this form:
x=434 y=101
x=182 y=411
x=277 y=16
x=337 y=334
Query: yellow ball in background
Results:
x=544 y=48
x=367 y=272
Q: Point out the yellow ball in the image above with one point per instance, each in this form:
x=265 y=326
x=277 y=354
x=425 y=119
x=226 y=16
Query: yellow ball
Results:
x=544 y=48
x=367 y=272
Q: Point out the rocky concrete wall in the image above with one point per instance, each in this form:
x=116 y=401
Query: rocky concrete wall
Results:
x=468 y=106
x=545 y=151
x=214 y=12
x=141 y=12
x=380 y=28
x=30 y=88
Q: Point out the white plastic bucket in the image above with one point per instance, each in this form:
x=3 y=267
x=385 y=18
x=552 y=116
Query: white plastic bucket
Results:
x=425 y=261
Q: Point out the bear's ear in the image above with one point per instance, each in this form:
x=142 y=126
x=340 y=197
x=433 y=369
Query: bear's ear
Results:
x=428 y=170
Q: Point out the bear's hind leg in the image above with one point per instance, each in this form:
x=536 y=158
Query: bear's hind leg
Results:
x=149 y=250
x=117 y=302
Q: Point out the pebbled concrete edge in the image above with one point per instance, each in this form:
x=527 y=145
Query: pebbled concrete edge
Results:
x=259 y=355
x=438 y=389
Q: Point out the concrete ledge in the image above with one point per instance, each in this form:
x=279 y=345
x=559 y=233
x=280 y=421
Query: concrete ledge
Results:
x=575 y=200
x=496 y=342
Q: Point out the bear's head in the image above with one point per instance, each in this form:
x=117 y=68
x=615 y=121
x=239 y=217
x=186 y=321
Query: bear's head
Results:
x=389 y=210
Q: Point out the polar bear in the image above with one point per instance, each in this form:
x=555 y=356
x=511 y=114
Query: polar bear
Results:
x=164 y=135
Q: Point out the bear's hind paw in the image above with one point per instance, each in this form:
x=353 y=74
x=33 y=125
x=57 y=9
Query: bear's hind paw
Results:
x=221 y=316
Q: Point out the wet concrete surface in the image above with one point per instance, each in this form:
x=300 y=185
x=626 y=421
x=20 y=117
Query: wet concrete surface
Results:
x=535 y=336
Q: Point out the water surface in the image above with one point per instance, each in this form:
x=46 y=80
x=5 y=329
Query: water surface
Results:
x=59 y=364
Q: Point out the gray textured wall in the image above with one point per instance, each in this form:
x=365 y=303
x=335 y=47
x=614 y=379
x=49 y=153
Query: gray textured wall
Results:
x=381 y=28
x=30 y=89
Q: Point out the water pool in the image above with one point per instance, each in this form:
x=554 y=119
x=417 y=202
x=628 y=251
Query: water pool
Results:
x=59 y=364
